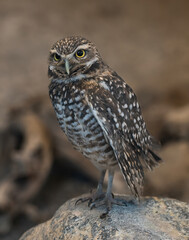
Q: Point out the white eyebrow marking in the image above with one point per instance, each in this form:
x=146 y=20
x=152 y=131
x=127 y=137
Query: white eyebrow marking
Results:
x=54 y=51
x=69 y=56
x=83 y=46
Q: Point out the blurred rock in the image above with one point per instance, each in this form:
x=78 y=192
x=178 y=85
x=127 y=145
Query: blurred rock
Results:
x=153 y=219
x=171 y=178
x=166 y=112
x=26 y=159
x=154 y=118
x=176 y=124
x=5 y=224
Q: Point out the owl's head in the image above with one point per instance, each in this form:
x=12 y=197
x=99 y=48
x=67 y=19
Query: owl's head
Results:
x=73 y=57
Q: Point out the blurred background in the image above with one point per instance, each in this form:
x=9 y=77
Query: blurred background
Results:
x=146 y=42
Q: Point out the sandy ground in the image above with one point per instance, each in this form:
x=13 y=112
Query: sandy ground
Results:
x=146 y=42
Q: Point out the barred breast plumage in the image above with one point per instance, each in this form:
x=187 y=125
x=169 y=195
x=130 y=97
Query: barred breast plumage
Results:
x=80 y=126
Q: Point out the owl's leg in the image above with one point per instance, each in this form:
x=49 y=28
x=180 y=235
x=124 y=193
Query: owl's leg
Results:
x=108 y=200
x=98 y=194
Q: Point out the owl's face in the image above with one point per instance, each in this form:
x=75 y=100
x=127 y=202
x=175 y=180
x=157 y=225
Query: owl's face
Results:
x=72 y=57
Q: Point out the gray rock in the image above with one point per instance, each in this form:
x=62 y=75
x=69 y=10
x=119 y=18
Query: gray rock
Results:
x=154 y=218
x=176 y=123
x=172 y=177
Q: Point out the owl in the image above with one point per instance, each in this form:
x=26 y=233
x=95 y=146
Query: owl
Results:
x=100 y=115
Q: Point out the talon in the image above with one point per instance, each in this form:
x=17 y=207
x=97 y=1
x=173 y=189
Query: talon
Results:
x=79 y=200
x=103 y=215
x=94 y=197
x=92 y=206
x=90 y=201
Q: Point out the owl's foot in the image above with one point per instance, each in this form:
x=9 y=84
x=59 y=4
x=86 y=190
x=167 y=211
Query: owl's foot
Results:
x=97 y=195
x=92 y=198
x=108 y=200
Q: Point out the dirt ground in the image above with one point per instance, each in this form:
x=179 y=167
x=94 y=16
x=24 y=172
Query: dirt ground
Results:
x=146 y=42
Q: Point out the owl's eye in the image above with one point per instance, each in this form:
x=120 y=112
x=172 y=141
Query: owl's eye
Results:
x=80 y=53
x=56 y=57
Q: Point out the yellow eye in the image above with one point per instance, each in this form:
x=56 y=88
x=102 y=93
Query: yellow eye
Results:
x=80 y=53
x=56 y=57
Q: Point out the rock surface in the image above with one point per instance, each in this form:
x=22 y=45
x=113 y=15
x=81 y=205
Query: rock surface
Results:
x=172 y=177
x=176 y=124
x=154 y=218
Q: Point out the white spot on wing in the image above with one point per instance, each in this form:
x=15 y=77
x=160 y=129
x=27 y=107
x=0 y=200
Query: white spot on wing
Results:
x=104 y=85
x=130 y=94
x=125 y=105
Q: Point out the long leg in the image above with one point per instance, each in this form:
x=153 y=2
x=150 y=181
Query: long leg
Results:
x=108 y=200
x=110 y=182
x=108 y=196
x=98 y=194
x=100 y=183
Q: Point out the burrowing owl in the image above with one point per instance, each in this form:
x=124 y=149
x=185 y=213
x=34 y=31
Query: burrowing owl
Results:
x=100 y=115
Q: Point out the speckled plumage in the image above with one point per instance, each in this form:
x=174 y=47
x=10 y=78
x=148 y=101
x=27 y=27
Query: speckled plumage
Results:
x=99 y=112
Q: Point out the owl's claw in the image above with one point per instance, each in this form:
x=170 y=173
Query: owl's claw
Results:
x=107 y=201
x=93 y=197
x=81 y=200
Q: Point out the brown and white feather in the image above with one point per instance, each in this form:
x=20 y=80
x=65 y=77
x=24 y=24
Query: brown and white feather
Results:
x=100 y=114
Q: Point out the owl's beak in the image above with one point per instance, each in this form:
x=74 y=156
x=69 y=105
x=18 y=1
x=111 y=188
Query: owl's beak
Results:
x=67 y=66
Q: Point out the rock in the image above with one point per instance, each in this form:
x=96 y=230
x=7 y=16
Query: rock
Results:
x=25 y=158
x=171 y=178
x=176 y=123
x=154 y=218
x=154 y=117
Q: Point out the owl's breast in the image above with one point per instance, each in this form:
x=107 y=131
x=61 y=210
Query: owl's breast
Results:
x=77 y=122
x=82 y=129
